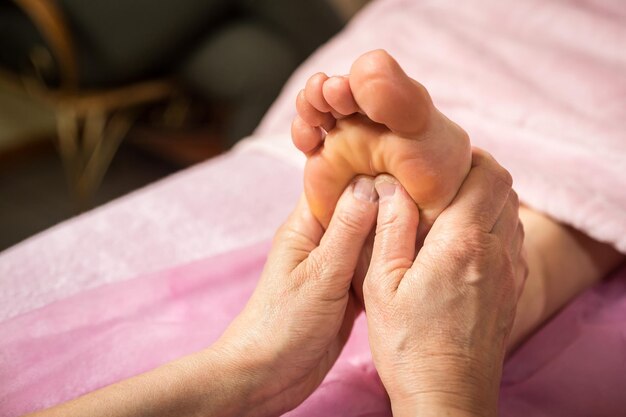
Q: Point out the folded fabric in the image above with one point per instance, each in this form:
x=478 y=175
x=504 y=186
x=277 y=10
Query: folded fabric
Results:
x=102 y=335
x=225 y=203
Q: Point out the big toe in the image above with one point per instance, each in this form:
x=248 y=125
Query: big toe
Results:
x=387 y=95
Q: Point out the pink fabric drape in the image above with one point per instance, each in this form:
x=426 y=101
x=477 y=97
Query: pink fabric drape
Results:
x=539 y=84
x=573 y=366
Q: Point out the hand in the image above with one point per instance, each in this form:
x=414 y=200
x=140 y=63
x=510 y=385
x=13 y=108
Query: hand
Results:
x=302 y=311
x=438 y=322
x=278 y=350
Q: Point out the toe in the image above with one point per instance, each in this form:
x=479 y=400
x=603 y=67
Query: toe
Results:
x=387 y=95
x=313 y=92
x=338 y=95
x=305 y=136
x=311 y=115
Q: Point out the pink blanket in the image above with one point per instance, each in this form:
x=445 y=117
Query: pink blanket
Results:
x=539 y=84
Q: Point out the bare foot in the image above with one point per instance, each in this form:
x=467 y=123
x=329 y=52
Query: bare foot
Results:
x=378 y=120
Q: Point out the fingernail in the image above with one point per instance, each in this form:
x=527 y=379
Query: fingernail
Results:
x=386 y=188
x=363 y=189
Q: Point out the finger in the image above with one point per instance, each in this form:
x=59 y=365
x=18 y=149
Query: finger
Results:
x=514 y=246
x=520 y=235
x=394 y=243
x=521 y=272
x=510 y=231
x=337 y=255
x=516 y=243
x=480 y=199
x=362 y=267
x=507 y=223
x=297 y=237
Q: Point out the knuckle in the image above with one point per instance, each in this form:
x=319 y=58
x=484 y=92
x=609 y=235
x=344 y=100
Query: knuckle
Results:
x=525 y=268
x=370 y=287
x=351 y=220
x=484 y=158
x=282 y=233
x=393 y=266
x=514 y=197
x=375 y=292
x=520 y=236
x=479 y=155
x=512 y=216
x=326 y=266
x=389 y=221
x=479 y=253
x=450 y=246
x=476 y=242
x=317 y=266
x=504 y=176
x=501 y=174
x=287 y=233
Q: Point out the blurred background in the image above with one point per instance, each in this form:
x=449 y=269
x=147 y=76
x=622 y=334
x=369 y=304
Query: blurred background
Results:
x=98 y=98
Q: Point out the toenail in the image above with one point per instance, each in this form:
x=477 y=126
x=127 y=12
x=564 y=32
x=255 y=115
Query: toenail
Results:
x=386 y=188
x=363 y=189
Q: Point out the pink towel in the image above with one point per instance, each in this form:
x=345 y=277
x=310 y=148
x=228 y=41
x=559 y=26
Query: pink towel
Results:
x=228 y=202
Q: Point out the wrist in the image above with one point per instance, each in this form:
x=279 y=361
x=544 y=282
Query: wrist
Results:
x=447 y=385
x=236 y=384
x=436 y=404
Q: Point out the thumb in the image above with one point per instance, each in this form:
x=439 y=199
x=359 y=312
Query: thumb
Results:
x=297 y=237
x=337 y=255
x=394 y=243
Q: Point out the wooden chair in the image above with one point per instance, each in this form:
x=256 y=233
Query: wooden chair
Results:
x=90 y=123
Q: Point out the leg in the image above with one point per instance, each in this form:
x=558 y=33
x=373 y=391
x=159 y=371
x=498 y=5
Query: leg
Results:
x=562 y=263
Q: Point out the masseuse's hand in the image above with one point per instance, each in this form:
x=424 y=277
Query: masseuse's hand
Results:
x=439 y=322
x=301 y=314
x=278 y=350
